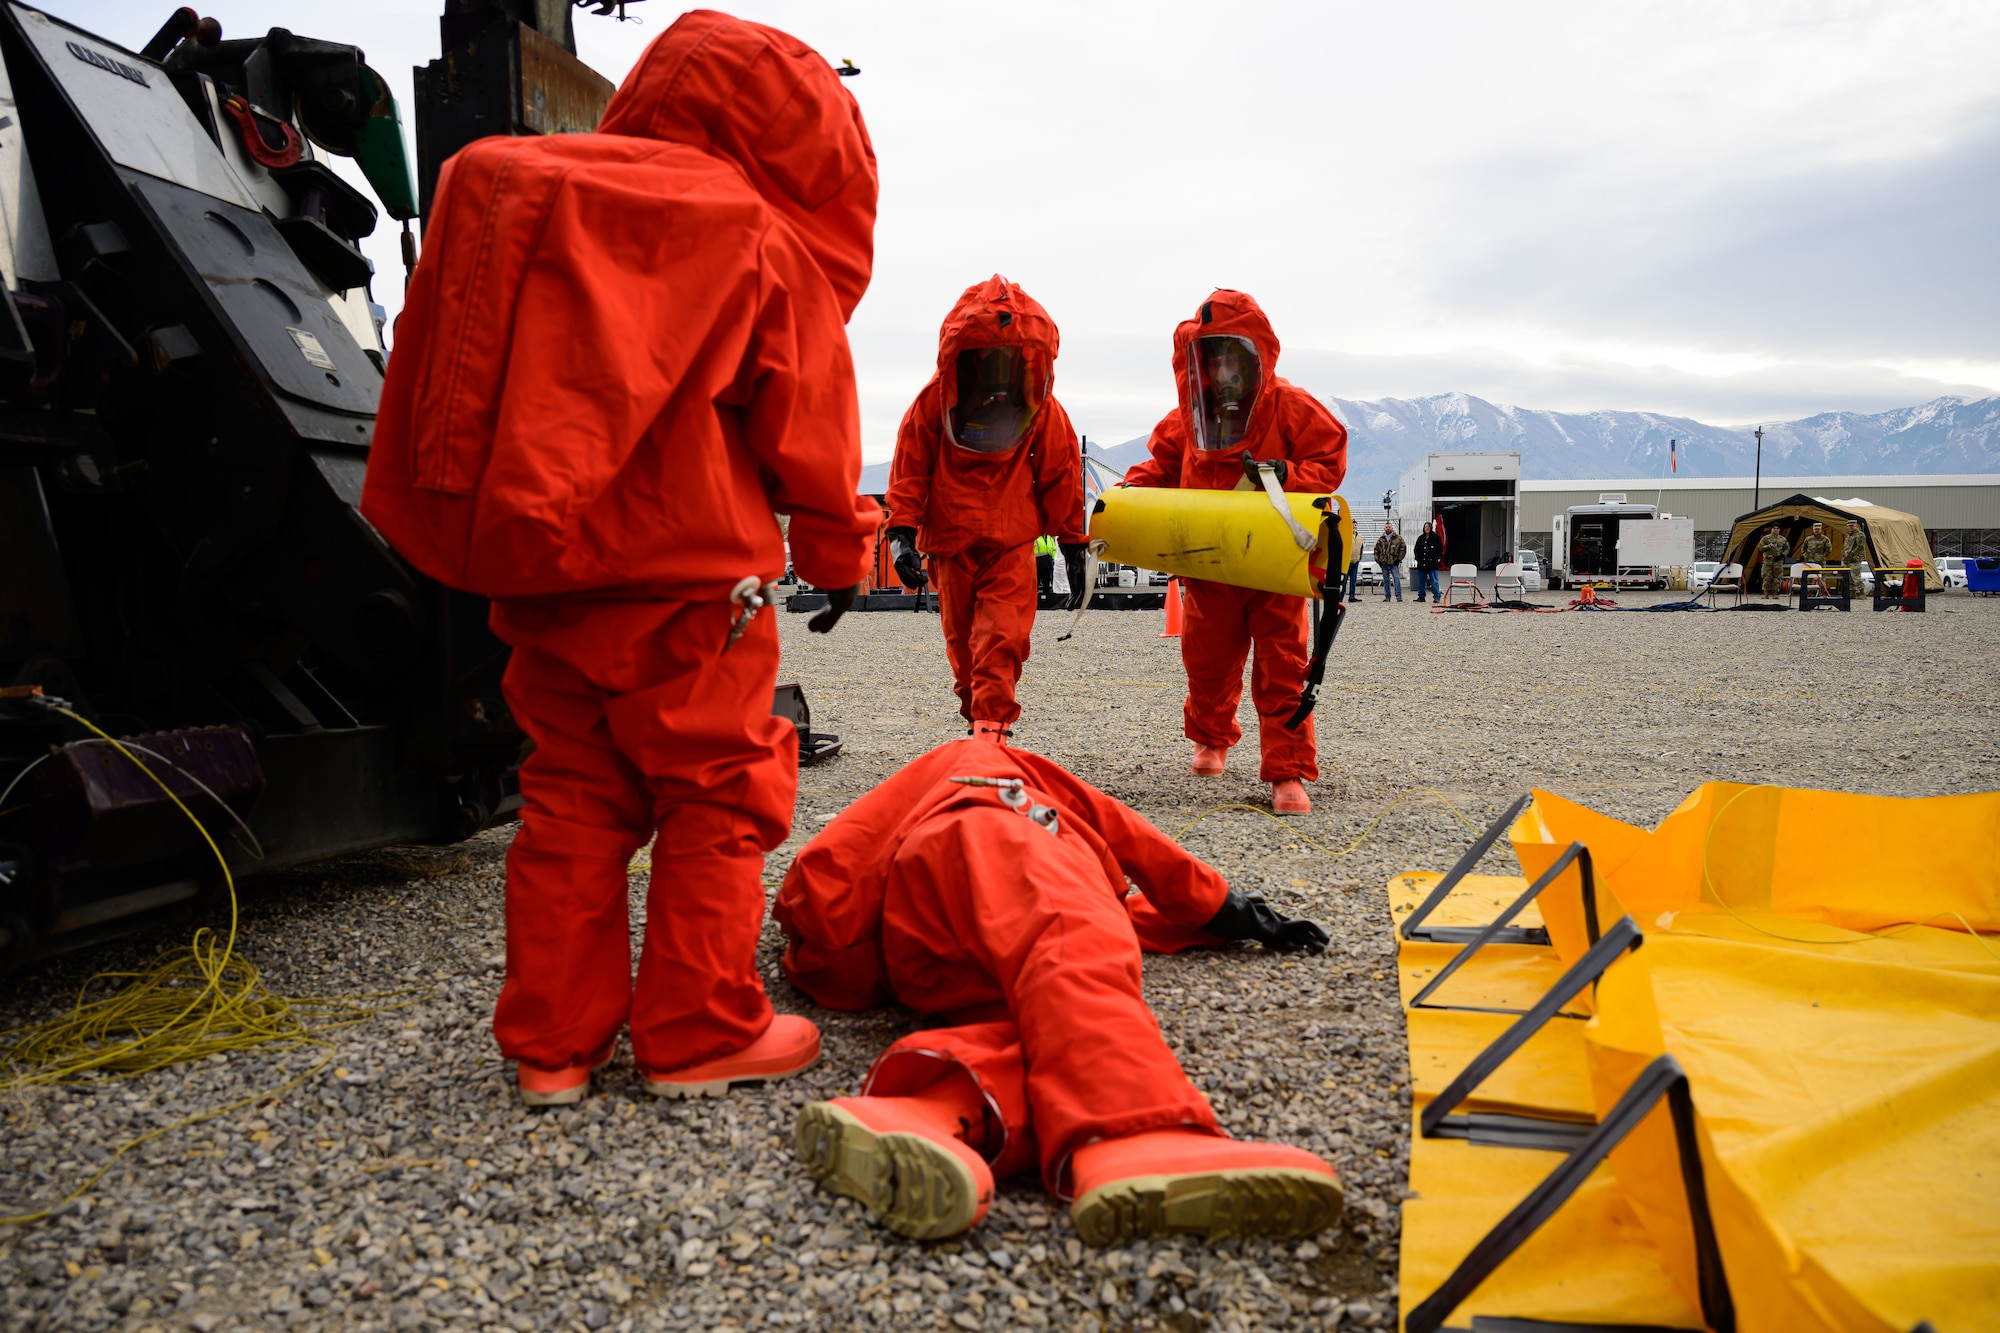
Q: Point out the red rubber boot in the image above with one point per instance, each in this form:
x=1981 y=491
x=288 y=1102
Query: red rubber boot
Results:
x=789 y=1046
x=905 y=1158
x=1177 y=1181
x=560 y=1087
x=1209 y=761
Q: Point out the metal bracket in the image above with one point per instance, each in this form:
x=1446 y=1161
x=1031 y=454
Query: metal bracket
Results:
x=1621 y=938
x=1661 y=1079
x=1415 y=929
x=1494 y=929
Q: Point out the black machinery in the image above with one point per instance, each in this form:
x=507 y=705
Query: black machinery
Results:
x=190 y=362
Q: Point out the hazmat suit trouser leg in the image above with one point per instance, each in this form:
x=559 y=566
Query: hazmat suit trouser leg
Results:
x=667 y=734
x=986 y=601
x=986 y=908
x=984 y=1058
x=1223 y=624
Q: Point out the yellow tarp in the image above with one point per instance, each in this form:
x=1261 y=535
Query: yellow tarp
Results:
x=1845 y=1084
x=1863 y=863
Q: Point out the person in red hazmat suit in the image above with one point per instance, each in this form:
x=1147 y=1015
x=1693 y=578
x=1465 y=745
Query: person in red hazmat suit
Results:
x=985 y=885
x=622 y=352
x=986 y=462
x=1236 y=413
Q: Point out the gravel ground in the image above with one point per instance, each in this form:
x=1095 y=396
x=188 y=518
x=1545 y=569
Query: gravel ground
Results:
x=402 y=1188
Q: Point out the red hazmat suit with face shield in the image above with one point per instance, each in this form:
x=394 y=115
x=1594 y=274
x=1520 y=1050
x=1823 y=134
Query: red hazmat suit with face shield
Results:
x=1008 y=914
x=621 y=353
x=1198 y=447
x=986 y=462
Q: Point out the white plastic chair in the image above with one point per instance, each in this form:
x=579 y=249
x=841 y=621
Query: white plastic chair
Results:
x=1466 y=577
x=1729 y=577
x=1507 y=576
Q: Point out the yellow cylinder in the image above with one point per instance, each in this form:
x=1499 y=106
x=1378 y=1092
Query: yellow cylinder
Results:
x=1233 y=537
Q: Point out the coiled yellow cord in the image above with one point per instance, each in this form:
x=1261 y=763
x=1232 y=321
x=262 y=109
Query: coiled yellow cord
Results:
x=1854 y=937
x=196 y=1001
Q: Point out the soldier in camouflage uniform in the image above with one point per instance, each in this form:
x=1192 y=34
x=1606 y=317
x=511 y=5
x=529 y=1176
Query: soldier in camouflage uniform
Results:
x=1776 y=553
x=1817 y=549
x=1855 y=553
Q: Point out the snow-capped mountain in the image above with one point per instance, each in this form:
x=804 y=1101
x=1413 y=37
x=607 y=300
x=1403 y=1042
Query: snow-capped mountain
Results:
x=1386 y=435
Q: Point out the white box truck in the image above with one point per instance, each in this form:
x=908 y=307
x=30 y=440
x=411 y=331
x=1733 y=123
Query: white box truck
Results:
x=1476 y=492
x=1585 y=549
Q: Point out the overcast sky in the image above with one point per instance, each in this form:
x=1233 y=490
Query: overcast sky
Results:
x=1733 y=212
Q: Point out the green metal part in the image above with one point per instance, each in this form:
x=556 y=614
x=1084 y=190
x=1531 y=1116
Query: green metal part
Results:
x=380 y=149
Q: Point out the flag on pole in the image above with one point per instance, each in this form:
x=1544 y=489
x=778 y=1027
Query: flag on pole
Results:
x=1673 y=457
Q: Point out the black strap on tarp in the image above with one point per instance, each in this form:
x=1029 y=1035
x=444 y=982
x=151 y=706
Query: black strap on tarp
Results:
x=1327 y=615
x=1663 y=1078
x=1576 y=852
x=1623 y=936
x=1415 y=929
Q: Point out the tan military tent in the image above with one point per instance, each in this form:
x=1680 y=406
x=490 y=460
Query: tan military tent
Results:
x=1896 y=538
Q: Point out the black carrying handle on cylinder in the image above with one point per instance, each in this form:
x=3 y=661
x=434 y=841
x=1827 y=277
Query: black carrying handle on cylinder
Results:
x=1326 y=624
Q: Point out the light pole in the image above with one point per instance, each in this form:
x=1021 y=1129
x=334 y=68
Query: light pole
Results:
x=1757 y=486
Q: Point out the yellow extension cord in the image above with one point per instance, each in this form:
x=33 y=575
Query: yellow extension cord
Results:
x=1345 y=851
x=196 y=1001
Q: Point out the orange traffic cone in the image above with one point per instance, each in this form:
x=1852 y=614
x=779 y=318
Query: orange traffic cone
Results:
x=1175 y=613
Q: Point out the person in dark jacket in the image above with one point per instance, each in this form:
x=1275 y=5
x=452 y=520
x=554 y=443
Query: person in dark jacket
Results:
x=1389 y=553
x=1429 y=552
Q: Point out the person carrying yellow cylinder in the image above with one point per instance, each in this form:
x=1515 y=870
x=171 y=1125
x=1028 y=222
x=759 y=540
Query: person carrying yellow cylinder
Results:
x=1235 y=414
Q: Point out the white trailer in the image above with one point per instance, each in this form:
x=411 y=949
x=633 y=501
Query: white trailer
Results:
x=1585 y=549
x=1476 y=492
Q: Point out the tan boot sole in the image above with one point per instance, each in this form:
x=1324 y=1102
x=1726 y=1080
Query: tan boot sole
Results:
x=912 y=1186
x=1270 y=1202
x=565 y=1097
x=719 y=1087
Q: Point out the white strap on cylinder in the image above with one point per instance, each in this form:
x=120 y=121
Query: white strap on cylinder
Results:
x=1090 y=561
x=1269 y=476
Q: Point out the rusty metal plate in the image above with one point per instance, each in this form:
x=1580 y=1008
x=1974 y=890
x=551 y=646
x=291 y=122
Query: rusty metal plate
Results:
x=559 y=93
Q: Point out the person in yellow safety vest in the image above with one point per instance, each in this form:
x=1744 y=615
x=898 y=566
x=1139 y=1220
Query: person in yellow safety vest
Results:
x=1045 y=563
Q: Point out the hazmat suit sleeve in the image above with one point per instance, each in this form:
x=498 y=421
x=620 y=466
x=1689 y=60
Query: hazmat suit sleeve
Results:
x=1315 y=444
x=915 y=463
x=1059 y=477
x=802 y=420
x=1184 y=889
x=1168 y=447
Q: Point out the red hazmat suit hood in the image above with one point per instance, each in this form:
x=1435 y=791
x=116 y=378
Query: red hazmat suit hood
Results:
x=997 y=313
x=1228 y=312
x=832 y=900
x=622 y=353
x=767 y=102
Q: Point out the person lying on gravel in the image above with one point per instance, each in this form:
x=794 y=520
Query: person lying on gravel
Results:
x=985 y=885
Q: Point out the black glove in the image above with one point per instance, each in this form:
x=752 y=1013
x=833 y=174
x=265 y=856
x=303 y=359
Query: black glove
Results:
x=1243 y=918
x=837 y=602
x=1277 y=466
x=903 y=554
x=1072 y=554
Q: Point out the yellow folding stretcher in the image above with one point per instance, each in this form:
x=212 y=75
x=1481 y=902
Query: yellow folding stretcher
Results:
x=1741 y=1071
